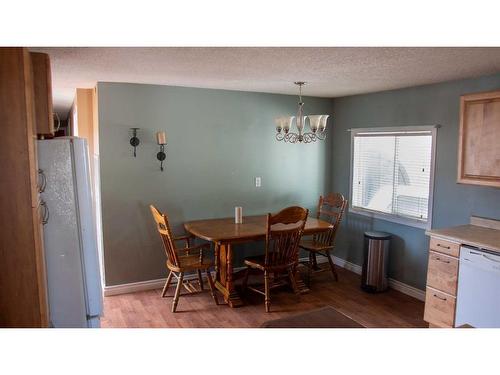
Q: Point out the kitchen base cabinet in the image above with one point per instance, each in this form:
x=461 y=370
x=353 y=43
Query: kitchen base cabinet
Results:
x=442 y=276
x=442 y=295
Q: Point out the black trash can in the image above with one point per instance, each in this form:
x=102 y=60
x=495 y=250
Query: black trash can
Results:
x=375 y=262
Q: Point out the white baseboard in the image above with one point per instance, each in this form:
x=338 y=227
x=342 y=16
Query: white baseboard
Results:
x=133 y=287
x=159 y=283
x=394 y=284
x=407 y=289
x=140 y=286
x=346 y=264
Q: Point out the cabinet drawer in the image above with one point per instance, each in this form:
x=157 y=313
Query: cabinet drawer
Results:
x=439 y=308
x=442 y=273
x=445 y=247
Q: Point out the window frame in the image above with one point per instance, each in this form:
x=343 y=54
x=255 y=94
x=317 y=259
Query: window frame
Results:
x=427 y=224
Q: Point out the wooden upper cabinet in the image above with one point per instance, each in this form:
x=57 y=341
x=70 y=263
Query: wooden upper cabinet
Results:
x=479 y=139
x=42 y=82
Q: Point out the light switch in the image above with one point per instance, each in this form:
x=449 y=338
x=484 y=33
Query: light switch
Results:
x=258 y=181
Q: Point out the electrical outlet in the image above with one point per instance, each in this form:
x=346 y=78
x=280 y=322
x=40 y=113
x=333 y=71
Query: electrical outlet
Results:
x=258 y=181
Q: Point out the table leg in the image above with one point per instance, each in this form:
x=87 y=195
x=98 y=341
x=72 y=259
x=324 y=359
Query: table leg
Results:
x=224 y=275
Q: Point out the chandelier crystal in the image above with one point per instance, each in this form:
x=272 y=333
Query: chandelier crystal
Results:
x=317 y=125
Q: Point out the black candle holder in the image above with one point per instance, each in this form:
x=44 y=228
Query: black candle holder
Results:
x=134 y=141
x=161 y=156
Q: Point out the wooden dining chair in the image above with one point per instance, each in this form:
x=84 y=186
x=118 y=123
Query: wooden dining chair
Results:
x=182 y=260
x=330 y=208
x=284 y=231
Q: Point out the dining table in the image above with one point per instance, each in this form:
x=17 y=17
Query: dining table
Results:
x=224 y=233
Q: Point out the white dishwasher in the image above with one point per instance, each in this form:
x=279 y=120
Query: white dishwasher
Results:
x=478 y=297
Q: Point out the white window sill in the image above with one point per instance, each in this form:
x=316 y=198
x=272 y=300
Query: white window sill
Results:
x=392 y=218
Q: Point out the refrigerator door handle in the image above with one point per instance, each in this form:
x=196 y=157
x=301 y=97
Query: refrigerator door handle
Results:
x=45 y=214
x=43 y=181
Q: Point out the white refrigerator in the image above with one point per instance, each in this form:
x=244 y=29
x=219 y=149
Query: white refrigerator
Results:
x=69 y=233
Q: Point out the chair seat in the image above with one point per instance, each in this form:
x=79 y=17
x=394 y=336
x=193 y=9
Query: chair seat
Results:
x=312 y=245
x=191 y=263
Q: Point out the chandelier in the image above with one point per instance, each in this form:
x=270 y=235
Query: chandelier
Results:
x=317 y=124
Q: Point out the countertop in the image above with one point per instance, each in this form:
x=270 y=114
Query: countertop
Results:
x=473 y=235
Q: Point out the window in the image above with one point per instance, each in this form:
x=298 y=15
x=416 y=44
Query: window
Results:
x=392 y=173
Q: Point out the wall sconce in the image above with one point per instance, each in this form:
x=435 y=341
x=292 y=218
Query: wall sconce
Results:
x=134 y=141
x=161 y=138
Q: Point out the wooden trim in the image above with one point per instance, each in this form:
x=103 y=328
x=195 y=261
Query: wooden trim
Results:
x=39 y=250
x=486 y=95
x=484 y=181
x=461 y=141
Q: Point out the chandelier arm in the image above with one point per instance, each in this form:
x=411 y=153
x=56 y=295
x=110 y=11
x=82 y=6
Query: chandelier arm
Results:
x=309 y=137
x=321 y=136
x=291 y=137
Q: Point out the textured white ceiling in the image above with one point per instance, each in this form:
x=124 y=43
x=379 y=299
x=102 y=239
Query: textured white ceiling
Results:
x=330 y=71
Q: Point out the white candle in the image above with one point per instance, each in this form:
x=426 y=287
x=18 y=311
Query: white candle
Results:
x=238 y=215
x=161 y=138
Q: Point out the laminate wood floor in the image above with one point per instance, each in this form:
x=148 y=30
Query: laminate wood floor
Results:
x=148 y=309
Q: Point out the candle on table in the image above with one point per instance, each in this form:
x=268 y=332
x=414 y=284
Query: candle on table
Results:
x=161 y=138
x=238 y=215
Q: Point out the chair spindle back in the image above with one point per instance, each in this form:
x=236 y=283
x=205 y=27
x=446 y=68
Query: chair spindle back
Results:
x=284 y=231
x=166 y=235
x=330 y=208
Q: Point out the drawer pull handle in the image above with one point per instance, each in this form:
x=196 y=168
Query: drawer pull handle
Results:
x=443 y=246
x=441 y=260
x=441 y=298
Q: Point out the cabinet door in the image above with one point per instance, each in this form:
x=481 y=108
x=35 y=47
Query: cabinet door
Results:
x=439 y=308
x=42 y=83
x=479 y=147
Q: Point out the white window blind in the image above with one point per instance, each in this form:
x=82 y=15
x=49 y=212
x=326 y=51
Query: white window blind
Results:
x=391 y=173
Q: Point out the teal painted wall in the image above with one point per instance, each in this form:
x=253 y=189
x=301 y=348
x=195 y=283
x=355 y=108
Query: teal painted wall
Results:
x=453 y=203
x=218 y=141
